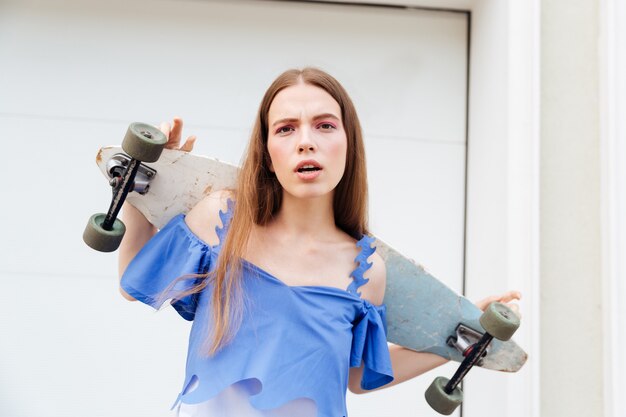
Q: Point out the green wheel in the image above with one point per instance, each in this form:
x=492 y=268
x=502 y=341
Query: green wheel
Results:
x=439 y=400
x=499 y=321
x=103 y=240
x=144 y=142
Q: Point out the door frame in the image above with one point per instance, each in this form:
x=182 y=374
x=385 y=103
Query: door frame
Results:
x=613 y=193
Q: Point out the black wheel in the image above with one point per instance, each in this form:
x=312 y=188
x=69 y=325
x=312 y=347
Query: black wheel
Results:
x=439 y=400
x=144 y=142
x=103 y=240
x=499 y=321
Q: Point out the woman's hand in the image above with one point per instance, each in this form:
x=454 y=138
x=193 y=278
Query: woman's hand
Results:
x=173 y=132
x=505 y=298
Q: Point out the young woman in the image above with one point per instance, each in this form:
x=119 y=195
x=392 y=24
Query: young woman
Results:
x=278 y=275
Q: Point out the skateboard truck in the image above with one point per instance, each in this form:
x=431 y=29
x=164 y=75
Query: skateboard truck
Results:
x=464 y=340
x=104 y=232
x=116 y=167
x=499 y=322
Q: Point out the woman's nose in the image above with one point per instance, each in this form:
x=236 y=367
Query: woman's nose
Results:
x=306 y=143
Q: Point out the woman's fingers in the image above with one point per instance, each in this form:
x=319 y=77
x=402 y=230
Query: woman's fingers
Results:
x=177 y=128
x=188 y=145
x=484 y=303
x=173 y=132
x=509 y=296
x=166 y=128
x=506 y=297
x=488 y=300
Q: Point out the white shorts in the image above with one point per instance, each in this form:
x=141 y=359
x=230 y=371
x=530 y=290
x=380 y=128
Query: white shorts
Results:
x=234 y=401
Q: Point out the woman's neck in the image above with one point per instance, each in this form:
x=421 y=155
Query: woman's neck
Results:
x=313 y=217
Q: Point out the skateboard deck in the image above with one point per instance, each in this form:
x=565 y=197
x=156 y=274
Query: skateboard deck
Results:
x=423 y=314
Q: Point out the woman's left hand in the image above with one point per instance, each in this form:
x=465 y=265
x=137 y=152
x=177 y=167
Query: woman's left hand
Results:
x=173 y=131
x=505 y=298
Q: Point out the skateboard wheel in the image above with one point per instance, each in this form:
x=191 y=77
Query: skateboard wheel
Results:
x=439 y=400
x=103 y=240
x=144 y=142
x=499 y=321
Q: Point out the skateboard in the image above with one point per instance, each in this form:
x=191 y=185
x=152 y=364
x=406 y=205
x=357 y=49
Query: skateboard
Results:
x=423 y=314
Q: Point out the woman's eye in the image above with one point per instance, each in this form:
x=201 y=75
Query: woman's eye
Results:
x=284 y=129
x=326 y=126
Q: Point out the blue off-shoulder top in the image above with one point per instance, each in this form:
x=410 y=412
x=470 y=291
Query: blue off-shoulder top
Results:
x=296 y=342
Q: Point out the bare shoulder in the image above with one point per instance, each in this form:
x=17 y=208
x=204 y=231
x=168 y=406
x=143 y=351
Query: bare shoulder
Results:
x=374 y=290
x=204 y=216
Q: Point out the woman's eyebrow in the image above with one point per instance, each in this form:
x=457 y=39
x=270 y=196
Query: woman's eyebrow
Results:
x=295 y=119
x=326 y=116
x=285 y=120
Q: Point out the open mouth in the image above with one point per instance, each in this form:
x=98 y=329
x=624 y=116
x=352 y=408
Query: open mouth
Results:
x=309 y=168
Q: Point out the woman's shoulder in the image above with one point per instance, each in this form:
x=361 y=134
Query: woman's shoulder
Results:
x=205 y=215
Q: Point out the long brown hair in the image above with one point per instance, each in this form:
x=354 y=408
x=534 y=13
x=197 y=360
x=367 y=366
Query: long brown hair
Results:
x=259 y=196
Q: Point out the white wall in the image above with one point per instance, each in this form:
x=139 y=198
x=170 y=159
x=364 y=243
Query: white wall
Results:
x=74 y=74
x=571 y=258
x=613 y=147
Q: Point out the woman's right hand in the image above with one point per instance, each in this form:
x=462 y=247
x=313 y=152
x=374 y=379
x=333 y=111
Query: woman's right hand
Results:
x=173 y=132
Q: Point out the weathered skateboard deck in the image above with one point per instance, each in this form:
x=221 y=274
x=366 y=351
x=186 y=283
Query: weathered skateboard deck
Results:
x=181 y=180
x=423 y=314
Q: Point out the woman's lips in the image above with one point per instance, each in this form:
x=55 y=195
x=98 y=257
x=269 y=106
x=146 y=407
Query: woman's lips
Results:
x=308 y=175
x=308 y=170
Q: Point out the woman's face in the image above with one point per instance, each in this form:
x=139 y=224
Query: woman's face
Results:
x=307 y=142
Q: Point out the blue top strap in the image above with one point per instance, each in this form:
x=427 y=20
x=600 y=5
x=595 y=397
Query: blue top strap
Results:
x=225 y=217
x=357 y=275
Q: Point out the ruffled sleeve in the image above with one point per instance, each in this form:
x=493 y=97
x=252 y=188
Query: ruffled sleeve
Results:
x=172 y=253
x=369 y=345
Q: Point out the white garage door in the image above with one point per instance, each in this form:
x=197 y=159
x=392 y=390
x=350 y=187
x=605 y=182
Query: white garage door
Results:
x=74 y=74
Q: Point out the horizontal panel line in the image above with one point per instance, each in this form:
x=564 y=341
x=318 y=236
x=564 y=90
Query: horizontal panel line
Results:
x=62 y=118
x=111 y=121
x=416 y=139
x=46 y=274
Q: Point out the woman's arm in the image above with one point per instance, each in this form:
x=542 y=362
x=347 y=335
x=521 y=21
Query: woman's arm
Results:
x=406 y=364
x=138 y=229
x=138 y=232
